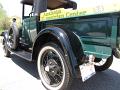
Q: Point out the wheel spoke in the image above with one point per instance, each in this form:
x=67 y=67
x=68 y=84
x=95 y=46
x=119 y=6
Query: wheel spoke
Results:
x=55 y=79
x=59 y=76
x=50 y=55
x=12 y=40
x=50 y=80
x=45 y=61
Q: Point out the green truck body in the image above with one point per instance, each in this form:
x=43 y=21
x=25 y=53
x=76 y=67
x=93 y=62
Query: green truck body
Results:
x=61 y=46
x=98 y=34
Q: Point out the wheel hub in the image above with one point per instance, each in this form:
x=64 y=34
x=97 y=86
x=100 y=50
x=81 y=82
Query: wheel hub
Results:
x=52 y=67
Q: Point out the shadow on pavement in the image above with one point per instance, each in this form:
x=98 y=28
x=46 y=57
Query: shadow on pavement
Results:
x=29 y=67
x=107 y=80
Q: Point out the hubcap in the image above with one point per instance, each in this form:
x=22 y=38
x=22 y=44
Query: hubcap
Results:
x=47 y=68
x=52 y=68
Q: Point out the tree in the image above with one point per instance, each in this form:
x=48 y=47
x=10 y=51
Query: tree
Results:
x=2 y=12
x=5 y=23
x=4 y=20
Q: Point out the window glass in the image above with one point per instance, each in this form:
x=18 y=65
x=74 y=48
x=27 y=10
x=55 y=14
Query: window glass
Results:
x=28 y=10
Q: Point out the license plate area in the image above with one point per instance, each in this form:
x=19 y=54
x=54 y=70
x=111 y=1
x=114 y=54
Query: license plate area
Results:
x=87 y=70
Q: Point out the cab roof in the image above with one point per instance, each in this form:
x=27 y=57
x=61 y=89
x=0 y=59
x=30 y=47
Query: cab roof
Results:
x=29 y=2
x=53 y=4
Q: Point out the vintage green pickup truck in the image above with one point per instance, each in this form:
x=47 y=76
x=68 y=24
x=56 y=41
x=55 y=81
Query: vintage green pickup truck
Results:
x=64 y=41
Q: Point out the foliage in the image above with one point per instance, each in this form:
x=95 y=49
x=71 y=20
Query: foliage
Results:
x=5 y=23
x=4 y=20
x=2 y=12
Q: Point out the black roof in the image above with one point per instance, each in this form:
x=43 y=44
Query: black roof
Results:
x=53 y=4
x=29 y=2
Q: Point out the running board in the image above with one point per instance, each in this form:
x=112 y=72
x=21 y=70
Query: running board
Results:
x=23 y=54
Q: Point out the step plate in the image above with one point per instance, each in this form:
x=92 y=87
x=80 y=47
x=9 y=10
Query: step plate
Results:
x=23 y=54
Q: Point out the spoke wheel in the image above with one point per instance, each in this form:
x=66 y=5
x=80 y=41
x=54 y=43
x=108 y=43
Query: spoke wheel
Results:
x=13 y=38
x=10 y=38
x=52 y=68
x=6 y=51
x=103 y=64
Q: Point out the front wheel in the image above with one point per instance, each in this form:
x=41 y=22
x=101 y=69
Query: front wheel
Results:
x=103 y=64
x=6 y=51
x=13 y=38
x=52 y=68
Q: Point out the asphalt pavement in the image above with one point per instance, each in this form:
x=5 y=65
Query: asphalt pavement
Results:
x=18 y=74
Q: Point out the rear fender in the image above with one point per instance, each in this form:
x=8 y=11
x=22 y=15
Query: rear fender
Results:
x=63 y=39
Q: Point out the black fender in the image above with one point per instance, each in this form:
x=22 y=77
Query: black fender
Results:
x=64 y=41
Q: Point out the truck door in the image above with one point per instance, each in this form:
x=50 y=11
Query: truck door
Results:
x=32 y=28
x=25 y=32
x=29 y=31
